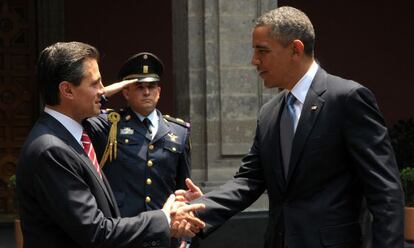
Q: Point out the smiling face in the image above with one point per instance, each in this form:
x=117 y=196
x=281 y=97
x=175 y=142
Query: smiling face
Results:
x=272 y=59
x=142 y=97
x=87 y=96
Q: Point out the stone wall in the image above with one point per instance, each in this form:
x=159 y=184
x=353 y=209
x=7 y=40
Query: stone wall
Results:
x=212 y=47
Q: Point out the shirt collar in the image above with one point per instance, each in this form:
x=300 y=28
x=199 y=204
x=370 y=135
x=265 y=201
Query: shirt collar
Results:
x=70 y=124
x=301 y=88
x=153 y=117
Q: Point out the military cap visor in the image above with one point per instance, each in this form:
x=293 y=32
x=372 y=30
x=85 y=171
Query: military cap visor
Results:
x=146 y=67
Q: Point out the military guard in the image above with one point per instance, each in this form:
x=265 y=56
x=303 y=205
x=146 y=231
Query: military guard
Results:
x=145 y=155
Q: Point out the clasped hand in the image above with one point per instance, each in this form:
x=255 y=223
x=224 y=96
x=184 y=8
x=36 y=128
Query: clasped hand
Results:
x=184 y=223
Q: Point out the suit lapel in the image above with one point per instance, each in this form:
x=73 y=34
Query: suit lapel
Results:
x=310 y=111
x=163 y=128
x=61 y=132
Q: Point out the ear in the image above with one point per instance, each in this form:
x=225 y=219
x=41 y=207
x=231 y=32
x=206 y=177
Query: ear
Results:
x=125 y=93
x=298 y=48
x=66 y=90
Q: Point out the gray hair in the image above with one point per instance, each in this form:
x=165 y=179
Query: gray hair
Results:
x=287 y=24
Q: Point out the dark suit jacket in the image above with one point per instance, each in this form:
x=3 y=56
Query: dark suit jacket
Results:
x=129 y=175
x=64 y=203
x=341 y=153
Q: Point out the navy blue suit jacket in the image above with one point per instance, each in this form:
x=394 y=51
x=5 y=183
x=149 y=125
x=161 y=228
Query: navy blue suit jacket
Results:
x=341 y=153
x=64 y=203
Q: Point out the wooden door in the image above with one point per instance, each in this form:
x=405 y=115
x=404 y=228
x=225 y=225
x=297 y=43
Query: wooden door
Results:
x=18 y=93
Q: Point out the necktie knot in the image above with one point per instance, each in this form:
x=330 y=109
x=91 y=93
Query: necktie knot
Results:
x=85 y=138
x=290 y=99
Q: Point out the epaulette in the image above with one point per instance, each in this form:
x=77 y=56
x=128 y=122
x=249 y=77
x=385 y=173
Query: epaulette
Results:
x=111 y=145
x=125 y=116
x=177 y=121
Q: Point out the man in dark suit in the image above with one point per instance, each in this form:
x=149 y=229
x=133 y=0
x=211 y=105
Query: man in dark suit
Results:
x=320 y=147
x=64 y=197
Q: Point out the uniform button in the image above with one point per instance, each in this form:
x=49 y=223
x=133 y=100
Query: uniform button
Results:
x=174 y=149
x=149 y=181
x=147 y=199
x=126 y=141
x=151 y=147
x=150 y=163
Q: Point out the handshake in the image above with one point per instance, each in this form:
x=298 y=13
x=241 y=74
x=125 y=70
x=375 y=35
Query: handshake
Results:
x=184 y=223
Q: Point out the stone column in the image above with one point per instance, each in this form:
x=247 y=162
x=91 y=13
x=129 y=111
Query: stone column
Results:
x=219 y=90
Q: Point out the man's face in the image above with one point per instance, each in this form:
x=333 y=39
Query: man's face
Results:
x=271 y=58
x=142 y=97
x=87 y=95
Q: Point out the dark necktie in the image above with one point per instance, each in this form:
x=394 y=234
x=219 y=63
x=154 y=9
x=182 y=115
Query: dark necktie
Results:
x=88 y=148
x=147 y=124
x=287 y=130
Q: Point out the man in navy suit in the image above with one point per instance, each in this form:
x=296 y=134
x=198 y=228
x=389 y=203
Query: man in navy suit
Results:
x=320 y=148
x=64 y=197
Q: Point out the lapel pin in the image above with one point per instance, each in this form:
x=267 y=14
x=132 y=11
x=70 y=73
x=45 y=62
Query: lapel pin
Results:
x=314 y=107
x=173 y=137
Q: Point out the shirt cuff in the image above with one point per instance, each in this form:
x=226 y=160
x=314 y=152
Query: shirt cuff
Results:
x=168 y=217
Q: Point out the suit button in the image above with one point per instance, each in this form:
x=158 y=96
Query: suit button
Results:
x=126 y=141
x=150 y=163
x=151 y=147
x=149 y=181
x=174 y=149
x=147 y=199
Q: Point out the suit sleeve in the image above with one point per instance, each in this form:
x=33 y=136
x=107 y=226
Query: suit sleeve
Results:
x=237 y=194
x=184 y=163
x=60 y=184
x=372 y=154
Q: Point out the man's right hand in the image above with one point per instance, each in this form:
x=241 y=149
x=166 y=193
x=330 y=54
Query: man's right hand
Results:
x=183 y=222
x=193 y=192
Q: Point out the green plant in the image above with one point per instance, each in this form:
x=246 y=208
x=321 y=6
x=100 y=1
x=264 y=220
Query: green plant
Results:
x=402 y=140
x=12 y=182
x=12 y=186
x=407 y=181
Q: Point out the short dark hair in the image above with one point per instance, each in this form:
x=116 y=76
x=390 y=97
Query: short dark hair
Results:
x=62 y=61
x=287 y=24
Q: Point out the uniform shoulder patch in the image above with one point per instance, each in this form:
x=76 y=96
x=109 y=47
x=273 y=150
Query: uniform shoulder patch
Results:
x=177 y=121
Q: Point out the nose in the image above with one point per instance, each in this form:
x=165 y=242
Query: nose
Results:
x=101 y=89
x=255 y=60
x=146 y=90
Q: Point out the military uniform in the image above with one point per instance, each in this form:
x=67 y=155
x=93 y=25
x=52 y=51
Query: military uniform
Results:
x=145 y=171
x=143 y=166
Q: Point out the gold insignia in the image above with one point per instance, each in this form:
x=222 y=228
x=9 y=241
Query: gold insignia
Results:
x=173 y=137
x=114 y=117
x=145 y=56
x=112 y=145
x=180 y=120
x=128 y=117
x=145 y=69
